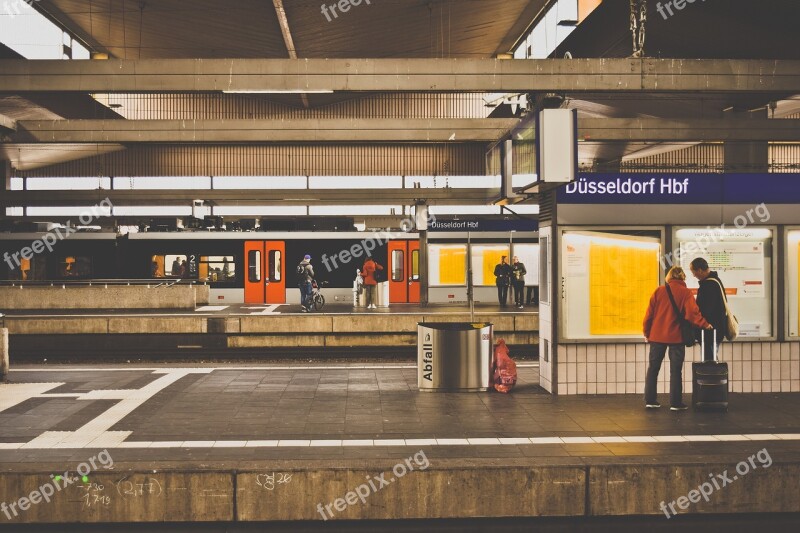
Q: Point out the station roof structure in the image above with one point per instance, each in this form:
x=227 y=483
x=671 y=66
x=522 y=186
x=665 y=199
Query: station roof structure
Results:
x=385 y=88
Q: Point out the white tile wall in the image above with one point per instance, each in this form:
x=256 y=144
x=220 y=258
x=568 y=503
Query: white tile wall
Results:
x=621 y=368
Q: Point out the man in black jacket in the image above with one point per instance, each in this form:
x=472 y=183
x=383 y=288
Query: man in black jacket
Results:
x=502 y=274
x=711 y=302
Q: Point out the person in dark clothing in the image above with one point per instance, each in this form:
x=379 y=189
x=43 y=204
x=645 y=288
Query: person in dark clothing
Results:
x=711 y=302
x=502 y=274
x=518 y=272
x=304 y=279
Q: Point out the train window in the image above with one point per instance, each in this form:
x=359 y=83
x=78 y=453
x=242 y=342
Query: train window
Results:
x=73 y=266
x=168 y=266
x=447 y=264
x=254 y=266
x=275 y=265
x=217 y=268
x=28 y=270
x=484 y=259
x=415 y=265
x=157 y=266
x=397 y=265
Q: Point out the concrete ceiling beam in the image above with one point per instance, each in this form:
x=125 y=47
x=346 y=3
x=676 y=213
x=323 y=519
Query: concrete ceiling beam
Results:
x=305 y=76
x=251 y=197
x=393 y=130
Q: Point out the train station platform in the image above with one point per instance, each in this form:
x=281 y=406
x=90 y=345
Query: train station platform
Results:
x=243 y=327
x=326 y=442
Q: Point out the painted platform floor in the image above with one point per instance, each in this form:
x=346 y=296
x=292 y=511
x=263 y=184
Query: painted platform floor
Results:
x=341 y=411
x=262 y=443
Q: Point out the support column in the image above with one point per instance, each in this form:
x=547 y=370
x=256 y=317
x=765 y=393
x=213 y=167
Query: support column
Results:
x=744 y=157
x=4 y=359
x=421 y=215
x=5 y=176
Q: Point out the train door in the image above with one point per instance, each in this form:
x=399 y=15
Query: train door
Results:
x=265 y=272
x=404 y=272
x=275 y=271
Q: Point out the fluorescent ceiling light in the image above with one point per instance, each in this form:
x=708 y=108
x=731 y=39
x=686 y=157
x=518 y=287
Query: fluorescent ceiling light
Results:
x=278 y=91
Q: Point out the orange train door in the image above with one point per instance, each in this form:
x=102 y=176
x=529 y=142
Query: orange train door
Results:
x=265 y=272
x=275 y=271
x=404 y=272
x=254 y=282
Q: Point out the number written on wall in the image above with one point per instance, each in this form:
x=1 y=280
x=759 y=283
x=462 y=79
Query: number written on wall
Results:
x=269 y=481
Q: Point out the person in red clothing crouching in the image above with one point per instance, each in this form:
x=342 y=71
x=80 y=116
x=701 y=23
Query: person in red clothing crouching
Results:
x=662 y=331
x=370 y=283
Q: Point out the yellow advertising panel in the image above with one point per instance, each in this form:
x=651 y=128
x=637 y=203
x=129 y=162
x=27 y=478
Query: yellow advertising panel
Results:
x=453 y=265
x=622 y=277
x=491 y=258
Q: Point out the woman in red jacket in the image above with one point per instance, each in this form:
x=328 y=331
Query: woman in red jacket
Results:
x=662 y=331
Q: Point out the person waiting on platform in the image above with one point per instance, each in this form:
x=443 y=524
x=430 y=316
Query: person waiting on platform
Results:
x=711 y=302
x=502 y=274
x=370 y=283
x=662 y=330
x=518 y=272
x=305 y=275
x=176 y=268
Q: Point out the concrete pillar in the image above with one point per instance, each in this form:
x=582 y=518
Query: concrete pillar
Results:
x=746 y=157
x=4 y=361
x=421 y=214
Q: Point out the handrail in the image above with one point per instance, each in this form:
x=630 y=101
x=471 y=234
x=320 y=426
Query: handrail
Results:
x=156 y=282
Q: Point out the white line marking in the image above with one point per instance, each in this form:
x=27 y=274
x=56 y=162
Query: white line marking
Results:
x=16 y=393
x=211 y=308
x=130 y=400
x=268 y=310
x=114 y=442
x=344 y=366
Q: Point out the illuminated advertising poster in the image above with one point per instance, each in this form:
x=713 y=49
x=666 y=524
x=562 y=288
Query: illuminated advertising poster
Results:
x=608 y=281
x=447 y=265
x=741 y=260
x=484 y=259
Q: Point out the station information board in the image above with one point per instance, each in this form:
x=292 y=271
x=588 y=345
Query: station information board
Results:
x=608 y=281
x=743 y=260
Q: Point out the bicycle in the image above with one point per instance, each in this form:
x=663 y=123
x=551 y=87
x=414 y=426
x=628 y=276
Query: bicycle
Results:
x=317 y=298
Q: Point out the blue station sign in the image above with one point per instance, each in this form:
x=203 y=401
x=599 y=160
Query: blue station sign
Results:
x=681 y=189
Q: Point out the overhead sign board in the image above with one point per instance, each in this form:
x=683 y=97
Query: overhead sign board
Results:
x=681 y=189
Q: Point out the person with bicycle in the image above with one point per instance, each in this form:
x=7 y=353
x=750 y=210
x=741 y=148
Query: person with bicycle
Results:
x=305 y=275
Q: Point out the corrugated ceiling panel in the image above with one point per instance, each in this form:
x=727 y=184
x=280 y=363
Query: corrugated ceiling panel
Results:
x=784 y=157
x=235 y=106
x=279 y=160
x=698 y=158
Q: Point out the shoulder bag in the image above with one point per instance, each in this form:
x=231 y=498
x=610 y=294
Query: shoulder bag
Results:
x=733 y=322
x=687 y=329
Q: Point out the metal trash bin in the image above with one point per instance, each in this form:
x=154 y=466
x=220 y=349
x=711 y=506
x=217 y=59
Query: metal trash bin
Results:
x=454 y=356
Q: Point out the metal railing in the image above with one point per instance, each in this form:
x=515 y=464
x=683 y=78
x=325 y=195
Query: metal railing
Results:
x=149 y=283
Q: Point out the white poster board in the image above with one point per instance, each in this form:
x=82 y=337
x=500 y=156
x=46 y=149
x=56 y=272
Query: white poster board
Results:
x=743 y=260
x=793 y=281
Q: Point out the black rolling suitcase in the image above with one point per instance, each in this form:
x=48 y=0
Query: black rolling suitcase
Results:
x=710 y=382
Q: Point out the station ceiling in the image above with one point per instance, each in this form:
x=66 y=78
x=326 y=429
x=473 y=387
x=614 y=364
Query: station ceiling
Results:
x=394 y=29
